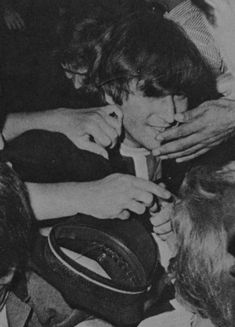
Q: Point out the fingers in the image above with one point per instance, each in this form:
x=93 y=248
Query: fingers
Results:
x=189 y=115
x=14 y=21
x=20 y=21
x=113 y=111
x=181 y=103
x=161 y=221
x=193 y=151
x=91 y=147
x=163 y=216
x=136 y=207
x=152 y=188
x=125 y=214
x=177 y=132
x=177 y=145
x=10 y=24
x=192 y=156
x=144 y=197
x=113 y=116
x=186 y=152
x=101 y=131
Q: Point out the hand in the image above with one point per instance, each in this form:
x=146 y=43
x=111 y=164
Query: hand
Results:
x=203 y=128
x=13 y=20
x=161 y=220
x=118 y=194
x=90 y=129
x=226 y=85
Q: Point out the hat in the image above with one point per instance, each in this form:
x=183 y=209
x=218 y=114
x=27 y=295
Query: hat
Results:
x=106 y=267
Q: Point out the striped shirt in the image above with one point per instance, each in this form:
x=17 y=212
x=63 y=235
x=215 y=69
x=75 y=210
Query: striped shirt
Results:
x=192 y=21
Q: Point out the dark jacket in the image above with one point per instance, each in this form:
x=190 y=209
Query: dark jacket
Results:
x=35 y=303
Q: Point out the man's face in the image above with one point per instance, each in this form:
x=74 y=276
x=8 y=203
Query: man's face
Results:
x=145 y=117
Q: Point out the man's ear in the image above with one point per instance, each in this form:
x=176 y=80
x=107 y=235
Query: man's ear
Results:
x=7 y=278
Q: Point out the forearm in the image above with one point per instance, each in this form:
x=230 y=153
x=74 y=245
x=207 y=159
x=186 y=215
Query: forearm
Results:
x=57 y=200
x=18 y=123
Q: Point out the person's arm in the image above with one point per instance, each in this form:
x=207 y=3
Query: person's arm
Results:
x=202 y=129
x=79 y=125
x=111 y=197
x=12 y=18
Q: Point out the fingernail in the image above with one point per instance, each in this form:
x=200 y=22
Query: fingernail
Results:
x=179 y=160
x=156 y=152
x=159 y=138
x=179 y=117
x=163 y=157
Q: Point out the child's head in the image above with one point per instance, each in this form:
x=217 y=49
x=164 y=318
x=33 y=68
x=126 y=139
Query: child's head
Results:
x=204 y=223
x=15 y=224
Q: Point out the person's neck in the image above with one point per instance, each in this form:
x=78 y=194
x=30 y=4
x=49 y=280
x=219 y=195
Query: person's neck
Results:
x=171 y=4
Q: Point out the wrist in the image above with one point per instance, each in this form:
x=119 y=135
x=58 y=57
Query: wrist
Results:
x=18 y=123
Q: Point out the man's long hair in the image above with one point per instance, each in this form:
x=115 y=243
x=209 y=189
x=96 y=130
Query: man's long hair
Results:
x=151 y=50
x=204 y=267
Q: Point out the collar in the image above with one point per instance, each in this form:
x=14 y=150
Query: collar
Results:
x=128 y=151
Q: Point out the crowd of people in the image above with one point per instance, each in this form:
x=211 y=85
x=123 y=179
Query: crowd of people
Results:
x=117 y=170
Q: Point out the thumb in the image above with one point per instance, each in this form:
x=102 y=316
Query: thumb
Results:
x=188 y=115
x=90 y=146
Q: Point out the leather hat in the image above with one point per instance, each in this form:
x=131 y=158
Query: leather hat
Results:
x=112 y=272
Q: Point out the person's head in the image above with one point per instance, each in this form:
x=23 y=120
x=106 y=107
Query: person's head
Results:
x=15 y=225
x=204 y=224
x=148 y=67
x=84 y=49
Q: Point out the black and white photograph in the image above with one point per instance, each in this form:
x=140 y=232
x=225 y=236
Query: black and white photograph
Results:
x=117 y=163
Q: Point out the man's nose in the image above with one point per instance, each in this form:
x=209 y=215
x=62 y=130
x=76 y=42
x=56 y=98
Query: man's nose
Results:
x=168 y=109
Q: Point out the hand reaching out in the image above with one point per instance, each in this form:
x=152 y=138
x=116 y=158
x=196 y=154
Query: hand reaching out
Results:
x=161 y=220
x=202 y=129
x=90 y=129
x=117 y=195
x=13 y=20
